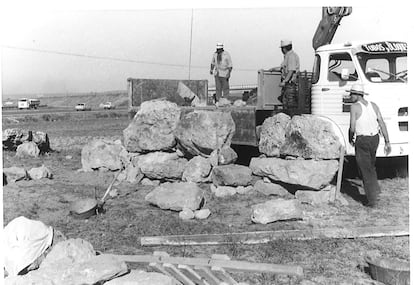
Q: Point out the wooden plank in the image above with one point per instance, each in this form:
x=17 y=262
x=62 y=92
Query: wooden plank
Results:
x=232 y=265
x=337 y=190
x=178 y=274
x=165 y=272
x=266 y=236
x=208 y=275
x=220 y=272
x=191 y=274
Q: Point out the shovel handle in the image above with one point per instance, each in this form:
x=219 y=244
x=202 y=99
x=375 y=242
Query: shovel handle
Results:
x=110 y=186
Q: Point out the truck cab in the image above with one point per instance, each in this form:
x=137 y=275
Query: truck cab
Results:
x=381 y=67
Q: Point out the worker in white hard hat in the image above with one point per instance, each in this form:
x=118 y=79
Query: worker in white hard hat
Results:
x=290 y=69
x=221 y=67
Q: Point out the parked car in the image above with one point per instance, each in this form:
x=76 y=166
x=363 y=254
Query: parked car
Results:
x=82 y=107
x=108 y=106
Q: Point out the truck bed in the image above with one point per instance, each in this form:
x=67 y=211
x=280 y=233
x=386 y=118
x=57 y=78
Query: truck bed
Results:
x=246 y=118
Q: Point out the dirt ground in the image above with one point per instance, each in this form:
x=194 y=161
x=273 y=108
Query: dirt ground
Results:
x=128 y=217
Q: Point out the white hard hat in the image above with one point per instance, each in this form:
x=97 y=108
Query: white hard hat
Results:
x=219 y=45
x=357 y=89
x=284 y=43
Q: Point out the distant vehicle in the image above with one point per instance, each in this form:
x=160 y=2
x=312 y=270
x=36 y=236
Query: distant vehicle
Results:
x=82 y=107
x=108 y=106
x=8 y=104
x=25 y=103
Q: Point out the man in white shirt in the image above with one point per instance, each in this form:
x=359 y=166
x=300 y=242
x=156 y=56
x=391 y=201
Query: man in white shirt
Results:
x=365 y=123
x=221 y=67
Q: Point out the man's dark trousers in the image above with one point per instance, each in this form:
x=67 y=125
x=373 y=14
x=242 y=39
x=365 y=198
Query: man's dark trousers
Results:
x=222 y=87
x=365 y=151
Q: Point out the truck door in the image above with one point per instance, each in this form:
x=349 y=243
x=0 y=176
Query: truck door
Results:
x=331 y=89
x=329 y=96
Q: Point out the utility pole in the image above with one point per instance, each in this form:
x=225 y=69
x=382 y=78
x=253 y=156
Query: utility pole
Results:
x=191 y=42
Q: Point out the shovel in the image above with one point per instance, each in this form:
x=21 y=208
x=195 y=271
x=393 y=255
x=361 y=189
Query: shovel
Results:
x=86 y=208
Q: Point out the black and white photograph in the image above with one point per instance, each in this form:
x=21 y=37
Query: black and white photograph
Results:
x=205 y=143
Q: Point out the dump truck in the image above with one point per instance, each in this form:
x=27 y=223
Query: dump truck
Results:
x=381 y=67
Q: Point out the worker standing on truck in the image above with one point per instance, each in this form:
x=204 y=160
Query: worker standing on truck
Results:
x=365 y=122
x=289 y=81
x=221 y=67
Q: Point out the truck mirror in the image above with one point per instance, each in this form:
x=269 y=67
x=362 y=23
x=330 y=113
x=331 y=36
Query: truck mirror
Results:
x=345 y=74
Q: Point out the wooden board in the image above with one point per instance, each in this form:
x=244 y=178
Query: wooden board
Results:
x=266 y=236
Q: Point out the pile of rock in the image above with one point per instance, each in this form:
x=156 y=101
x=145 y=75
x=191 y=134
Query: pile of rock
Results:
x=25 y=142
x=301 y=152
x=74 y=261
x=164 y=145
x=14 y=174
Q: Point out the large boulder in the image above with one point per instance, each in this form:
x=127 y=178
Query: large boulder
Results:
x=311 y=137
x=153 y=127
x=272 y=134
x=27 y=149
x=276 y=210
x=201 y=132
x=169 y=169
x=143 y=278
x=232 y=175
x=15 y=173
x=309 y=173
x=102 y=154
x=14 y=137
x=197 y=170
x=176 y=196
x=95 y=270
x=68 y=252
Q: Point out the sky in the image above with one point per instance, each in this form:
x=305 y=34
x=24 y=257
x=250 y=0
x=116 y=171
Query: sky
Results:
x=115 y=43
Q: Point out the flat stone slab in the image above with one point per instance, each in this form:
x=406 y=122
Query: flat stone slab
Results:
x=276 y=210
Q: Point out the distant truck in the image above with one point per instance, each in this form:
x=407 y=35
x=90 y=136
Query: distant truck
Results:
x=25 y=103
x=82 y=107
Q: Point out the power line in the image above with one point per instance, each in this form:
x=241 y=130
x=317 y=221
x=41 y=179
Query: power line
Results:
x=111 y=58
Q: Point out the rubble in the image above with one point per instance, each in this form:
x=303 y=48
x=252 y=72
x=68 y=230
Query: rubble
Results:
x=202 y=214
x=186 y=214
x=14 y=137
